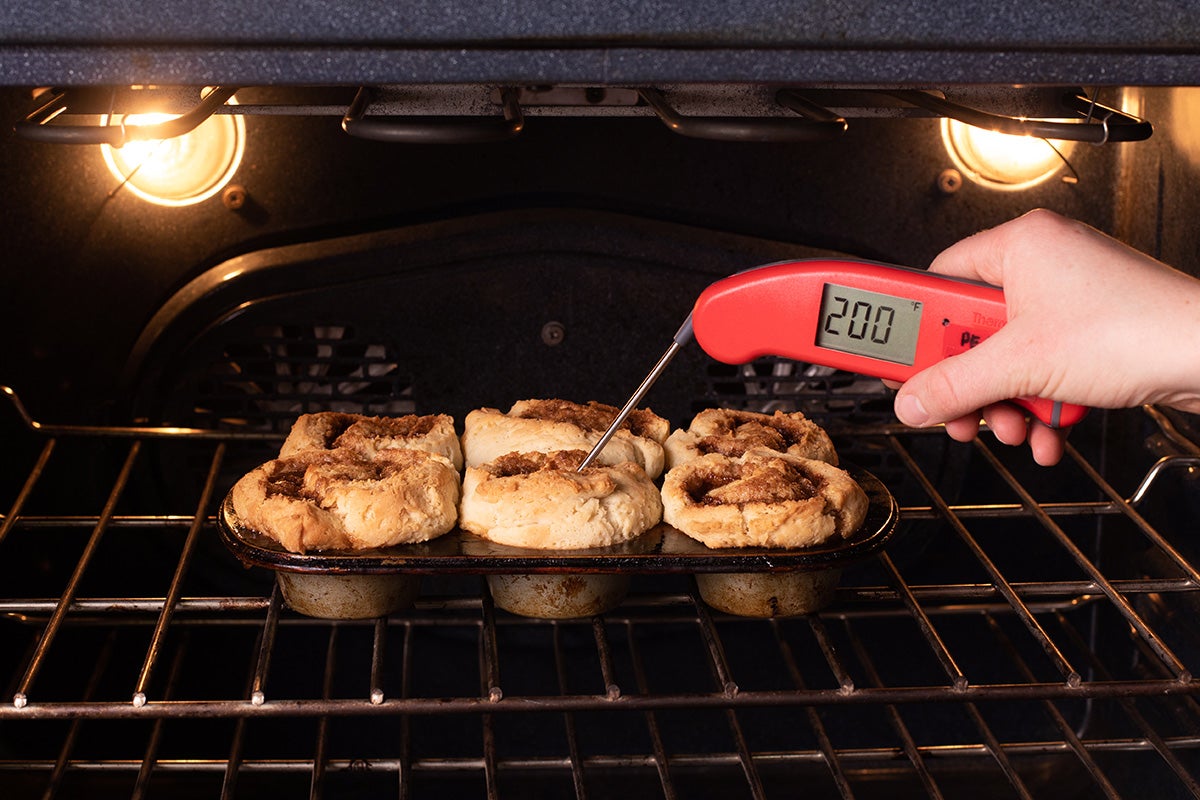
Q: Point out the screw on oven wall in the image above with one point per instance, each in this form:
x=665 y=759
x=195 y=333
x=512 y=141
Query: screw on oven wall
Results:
x=553 y=333
x=234 y=196
x=949 y=181
x=241 y=202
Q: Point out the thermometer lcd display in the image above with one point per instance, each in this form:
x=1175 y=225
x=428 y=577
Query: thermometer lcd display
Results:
x=869 y=324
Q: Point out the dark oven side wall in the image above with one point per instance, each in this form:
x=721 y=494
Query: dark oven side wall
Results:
x=1156 y=195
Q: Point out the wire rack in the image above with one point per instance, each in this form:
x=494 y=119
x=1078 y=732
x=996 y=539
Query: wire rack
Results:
x=1034 y=640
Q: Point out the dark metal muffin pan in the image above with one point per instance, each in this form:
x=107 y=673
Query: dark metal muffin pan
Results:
x=744 y=581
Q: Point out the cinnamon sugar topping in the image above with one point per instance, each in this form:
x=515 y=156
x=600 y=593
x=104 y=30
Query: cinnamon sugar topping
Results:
x=591 y=417
x=760 y=481
x=332 y=424
x=388 y=427
x=525 y=463
x=307 y=476
x=287 y=479
x=740 y=430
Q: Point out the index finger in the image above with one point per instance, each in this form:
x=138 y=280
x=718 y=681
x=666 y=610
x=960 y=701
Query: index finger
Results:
x=983 y=256
x=977 y=257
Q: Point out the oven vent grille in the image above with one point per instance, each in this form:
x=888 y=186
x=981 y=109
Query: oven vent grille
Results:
x=263 y=381
x=823 y=394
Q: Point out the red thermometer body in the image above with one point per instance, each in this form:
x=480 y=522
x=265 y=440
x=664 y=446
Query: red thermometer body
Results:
x=874 y=319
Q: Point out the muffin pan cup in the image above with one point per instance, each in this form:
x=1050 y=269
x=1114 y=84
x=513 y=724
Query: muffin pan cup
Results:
x=565 y=596
x=769 y=594
x=347 y=596
x=560 y=595
x=560 y=584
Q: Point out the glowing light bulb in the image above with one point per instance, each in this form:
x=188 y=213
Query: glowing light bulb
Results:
x=182 y=170
x=1000 y=160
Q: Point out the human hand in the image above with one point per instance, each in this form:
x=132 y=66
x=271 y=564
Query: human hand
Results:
x=1091 y=321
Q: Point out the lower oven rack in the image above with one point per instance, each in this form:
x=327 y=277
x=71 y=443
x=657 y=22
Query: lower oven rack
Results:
x=1058 y=666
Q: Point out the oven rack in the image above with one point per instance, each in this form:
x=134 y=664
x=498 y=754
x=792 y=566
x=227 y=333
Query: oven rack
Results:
x=1093 y=641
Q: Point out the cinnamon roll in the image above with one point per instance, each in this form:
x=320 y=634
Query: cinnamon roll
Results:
x=328 y=430
x=337 y=499
x=762 y=499
x=538 y=500
x=731 y=433
x=546 y=426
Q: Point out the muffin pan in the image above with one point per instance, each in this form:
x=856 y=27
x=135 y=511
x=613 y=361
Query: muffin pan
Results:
x=566 y=583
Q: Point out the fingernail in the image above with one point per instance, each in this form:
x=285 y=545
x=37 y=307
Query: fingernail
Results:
x=910 y=411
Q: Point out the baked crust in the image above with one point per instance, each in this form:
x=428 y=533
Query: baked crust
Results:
x=547 y=426
x=327 y=430
x=762 y=499
x=337 y=499
x=731 y=433
x=538 y=500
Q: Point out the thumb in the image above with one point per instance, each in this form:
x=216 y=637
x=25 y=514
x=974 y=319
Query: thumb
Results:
x=954 y=387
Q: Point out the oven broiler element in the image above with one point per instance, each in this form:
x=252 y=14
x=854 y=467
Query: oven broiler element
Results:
x=995 y=650
x=471 y=114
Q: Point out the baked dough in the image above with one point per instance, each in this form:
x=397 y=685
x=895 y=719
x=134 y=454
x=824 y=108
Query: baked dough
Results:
x=762 y=499
x=327 y=430
x=732 y=433
x=338 y=500
x=538 y=500
x=547 y=426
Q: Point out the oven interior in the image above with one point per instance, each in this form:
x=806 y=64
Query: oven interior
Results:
x=1028 y=632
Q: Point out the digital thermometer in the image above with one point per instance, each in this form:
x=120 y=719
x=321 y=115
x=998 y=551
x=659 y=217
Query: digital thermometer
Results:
x=874 y=319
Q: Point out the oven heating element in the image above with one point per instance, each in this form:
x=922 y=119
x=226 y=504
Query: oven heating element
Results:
x=1052 y=668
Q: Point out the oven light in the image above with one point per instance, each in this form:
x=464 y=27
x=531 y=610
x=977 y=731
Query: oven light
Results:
x=182 y=170
x=1000 y=160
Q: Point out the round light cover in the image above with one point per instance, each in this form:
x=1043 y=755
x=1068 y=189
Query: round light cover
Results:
x=1001 y=160
x=182 y=170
